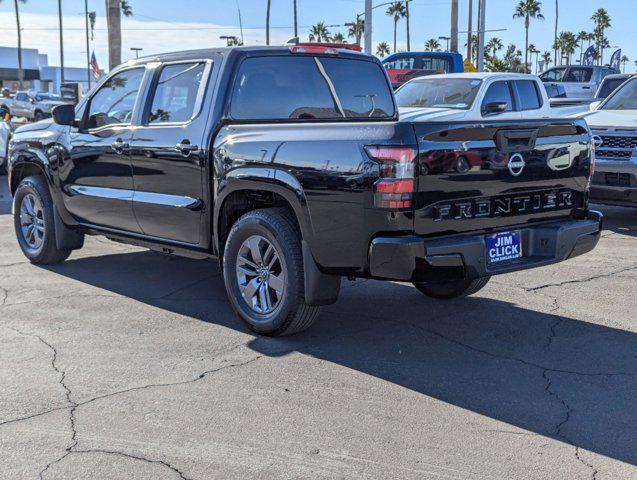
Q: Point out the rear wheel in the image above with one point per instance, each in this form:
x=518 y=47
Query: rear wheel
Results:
x=38 y=116
x=34 y=222
x=263 y=273
x=452 y=289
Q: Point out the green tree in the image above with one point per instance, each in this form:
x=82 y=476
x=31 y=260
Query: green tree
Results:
x=382 y=49
x=339 y=38
x=495 y=45
x=602 y=22
x=319 y=33
x=533 y=50
x=114 y=11
x=566 y=44
x=432 y=45
x=546 y=58
x=624 y=61
x=582 y=36
x=356 y=30
x=528 y=9
x=397 y=11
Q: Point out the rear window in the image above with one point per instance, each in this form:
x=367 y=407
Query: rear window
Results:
x=420 y=62
x=310 y=88
x=529 y=96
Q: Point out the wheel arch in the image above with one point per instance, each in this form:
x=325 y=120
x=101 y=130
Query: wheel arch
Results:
x=243 y=190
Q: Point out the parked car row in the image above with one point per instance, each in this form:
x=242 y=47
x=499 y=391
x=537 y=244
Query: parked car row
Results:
x=30 y=105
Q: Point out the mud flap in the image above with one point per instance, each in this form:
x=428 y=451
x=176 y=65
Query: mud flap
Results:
x=66 y=238
x=320 y=289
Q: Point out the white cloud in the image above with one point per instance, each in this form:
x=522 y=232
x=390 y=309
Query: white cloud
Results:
x=41 y=31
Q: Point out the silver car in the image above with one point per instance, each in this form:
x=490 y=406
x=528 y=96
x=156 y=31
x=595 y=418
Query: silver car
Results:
x=578 y=81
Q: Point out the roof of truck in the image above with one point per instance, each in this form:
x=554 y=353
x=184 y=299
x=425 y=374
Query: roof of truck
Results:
x=209 y=52
x=480 y=76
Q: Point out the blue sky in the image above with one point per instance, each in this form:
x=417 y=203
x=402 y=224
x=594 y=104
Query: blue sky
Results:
x=160 y=25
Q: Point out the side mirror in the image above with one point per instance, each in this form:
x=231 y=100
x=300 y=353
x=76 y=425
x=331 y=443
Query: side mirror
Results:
x=494 y=107
x=64 y=115
x=594 y=105
x=31 y=100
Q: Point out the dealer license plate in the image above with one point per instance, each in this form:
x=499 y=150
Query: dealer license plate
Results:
x=504 y=246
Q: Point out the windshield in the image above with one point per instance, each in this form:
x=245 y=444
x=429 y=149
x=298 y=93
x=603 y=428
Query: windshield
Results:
x=457 y=93
x=624 y=98
x=609 y=85
x=39 y=97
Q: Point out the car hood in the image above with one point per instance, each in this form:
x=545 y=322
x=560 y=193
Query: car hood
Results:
x=612 y=118
x=33 y=127
x=409 y=114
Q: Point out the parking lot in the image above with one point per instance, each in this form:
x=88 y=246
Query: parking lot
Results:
x=122 y=363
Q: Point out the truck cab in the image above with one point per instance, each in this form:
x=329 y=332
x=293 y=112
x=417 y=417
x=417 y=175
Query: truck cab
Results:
x=579 y=81
x=402 y=67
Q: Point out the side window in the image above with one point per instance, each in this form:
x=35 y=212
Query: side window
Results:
x=113 y=103
x=553 y=75
x=175 y=96
x=498 y=92
x=528 y=93
x=579 y=75
x=22 y=97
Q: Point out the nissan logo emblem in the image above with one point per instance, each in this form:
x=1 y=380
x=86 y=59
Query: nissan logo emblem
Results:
x=598 y=141
x=516 y=164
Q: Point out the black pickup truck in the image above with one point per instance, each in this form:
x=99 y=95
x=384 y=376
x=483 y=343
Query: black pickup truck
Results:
x=291 y=166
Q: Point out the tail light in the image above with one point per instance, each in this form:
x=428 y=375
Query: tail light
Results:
x=591 y=165
x=314 y=50
x=397 y=183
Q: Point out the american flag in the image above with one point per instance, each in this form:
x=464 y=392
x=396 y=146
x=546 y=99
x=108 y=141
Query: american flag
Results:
x=95 y=67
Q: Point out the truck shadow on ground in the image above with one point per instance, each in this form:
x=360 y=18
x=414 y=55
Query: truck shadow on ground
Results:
x=550 y=375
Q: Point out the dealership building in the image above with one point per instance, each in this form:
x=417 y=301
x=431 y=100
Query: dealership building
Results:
x=38 y=74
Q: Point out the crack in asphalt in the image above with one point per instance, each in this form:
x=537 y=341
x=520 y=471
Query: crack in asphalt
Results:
x=582 y=280
x=5 y=295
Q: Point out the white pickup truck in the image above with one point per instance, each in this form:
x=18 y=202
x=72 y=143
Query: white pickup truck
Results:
x=31 y=105
x=474 y=96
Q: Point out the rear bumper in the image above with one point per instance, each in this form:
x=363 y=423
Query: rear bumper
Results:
x=411 y=258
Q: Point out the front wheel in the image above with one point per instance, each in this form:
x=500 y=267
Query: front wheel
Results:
x=263 y=273
x=452 y=289
x=38 y=116
x=34 y=222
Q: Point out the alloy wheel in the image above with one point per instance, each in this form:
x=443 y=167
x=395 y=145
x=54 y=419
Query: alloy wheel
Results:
x=32 y=221
x=260 y=274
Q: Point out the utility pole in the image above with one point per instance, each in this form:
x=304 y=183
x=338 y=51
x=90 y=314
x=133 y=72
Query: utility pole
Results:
x=296 y=22
x=482 y=5
x=454 y=25
x=557 y=14
x=407 y=18
x=61 y=42
x=88 y=53
x=469 y=32
x=368 y=27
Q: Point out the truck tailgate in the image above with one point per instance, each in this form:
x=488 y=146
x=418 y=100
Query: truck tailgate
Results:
x=487 y=175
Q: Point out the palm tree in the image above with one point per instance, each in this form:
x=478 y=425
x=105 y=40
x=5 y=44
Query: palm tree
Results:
x=339 y=38
x=454 y=26
x=396 y=10
x=474 y=48
x=296 y=21
x=602 y=22
x=114 y=10
x=546 y=58
x=624 y=61
x=567 y=43
x=407 y=21
x=382 y=49
x=319 y=33
x=528 y=9
x=356 y=30
x=432 y=45
x=557 y=16
x=17 y=21
x=267 y=23
x=582 y=36
x=534 y=50
x=494 y=44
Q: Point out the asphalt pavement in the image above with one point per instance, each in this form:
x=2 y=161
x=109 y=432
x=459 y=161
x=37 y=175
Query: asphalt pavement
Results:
x=126 y=364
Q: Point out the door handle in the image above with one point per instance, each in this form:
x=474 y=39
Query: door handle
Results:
x=186 y=148
x=586 y=88
x=119 y=146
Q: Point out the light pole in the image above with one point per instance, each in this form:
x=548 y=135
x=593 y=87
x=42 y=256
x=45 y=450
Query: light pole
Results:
x=368 y=27
x=61 y=42
x=447 y=39
x=136 y=50
x=482 y=7
x=88 y=53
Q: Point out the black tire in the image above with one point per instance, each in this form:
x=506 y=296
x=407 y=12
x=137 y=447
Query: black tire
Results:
x=38 y=116
x=278 y=227
x=452 y=289
x=47 y=253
